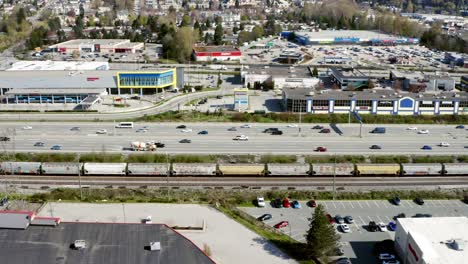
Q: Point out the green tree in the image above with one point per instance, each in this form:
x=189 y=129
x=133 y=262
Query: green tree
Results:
x=20 y=16
x=218 y=35
x=321 y=237
x=315 y=72
x=410 y=7
x=186 y=21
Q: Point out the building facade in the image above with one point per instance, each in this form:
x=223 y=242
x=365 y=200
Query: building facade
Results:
x=98 y=46
x=216 y=53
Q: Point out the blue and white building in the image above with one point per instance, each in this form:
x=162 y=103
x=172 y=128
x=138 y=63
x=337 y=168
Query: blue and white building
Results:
x=387 y=102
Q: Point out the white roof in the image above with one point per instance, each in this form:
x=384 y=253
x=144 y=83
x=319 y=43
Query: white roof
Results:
x=432 y=235
x=58 y=66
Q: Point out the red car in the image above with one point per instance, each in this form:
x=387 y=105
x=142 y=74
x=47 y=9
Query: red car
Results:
x=281 y=224
x=312 y=203
x=331 y=220
x=321 y=149
x=286 y=203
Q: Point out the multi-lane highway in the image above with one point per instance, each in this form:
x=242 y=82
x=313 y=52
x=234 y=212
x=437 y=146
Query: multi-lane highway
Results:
x=344 y=139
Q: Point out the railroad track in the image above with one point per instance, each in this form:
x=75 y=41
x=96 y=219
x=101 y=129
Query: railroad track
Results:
x=245 y=182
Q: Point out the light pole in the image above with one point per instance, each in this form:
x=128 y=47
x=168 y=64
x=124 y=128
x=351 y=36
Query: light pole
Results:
x=79 y=178
x=334 y=178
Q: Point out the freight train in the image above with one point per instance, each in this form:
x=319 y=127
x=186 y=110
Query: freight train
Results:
x=215 y=169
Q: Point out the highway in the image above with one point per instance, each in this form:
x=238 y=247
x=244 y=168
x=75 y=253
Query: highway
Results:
x=397 y=140
x=324 y=183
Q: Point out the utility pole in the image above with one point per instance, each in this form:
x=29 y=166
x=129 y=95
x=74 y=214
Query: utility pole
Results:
x=79 y=178
x=168 y=172
x=334 y=178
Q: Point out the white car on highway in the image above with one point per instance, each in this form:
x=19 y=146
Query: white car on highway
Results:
x=187 y=130
x=382 y=227
x=27 y=127
x=101 y=131
x=412 y=128
x=292 y=125
x=423 y=131
x=444 y=144
x=241 y=138
x=246 y=126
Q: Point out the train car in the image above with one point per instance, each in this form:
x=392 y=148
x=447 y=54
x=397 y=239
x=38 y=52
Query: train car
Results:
x=280 y=169
x=148 y=169
x=61 y=168
x=104 y=169
x=241 y=169
x=193 y=169
x=416 y=169
x=456 y=169
x=329 y=169
x=12 y=167
x=378 y=169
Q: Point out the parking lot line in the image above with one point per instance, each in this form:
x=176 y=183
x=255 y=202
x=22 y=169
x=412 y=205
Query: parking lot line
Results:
x=370 y=219
x=380 y=219
x=376 y=204
x=409 y=204
x=385 y=204
x=367 y=203
x=334 y=204
x=362 y=220
x=440 y=203
x=351 y=204
x=388 y=219
x=360 y=204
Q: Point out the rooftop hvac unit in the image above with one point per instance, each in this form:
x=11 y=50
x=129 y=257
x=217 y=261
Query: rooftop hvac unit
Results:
x=79 y=244
x=311 y=93
x=155 y=246
x=383 y=96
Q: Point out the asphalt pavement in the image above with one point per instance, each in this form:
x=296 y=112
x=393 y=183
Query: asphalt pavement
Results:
x=343 y=139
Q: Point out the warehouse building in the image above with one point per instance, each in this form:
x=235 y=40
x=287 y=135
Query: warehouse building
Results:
x=98 y=243
x=435 y=240
x=98 y=46
x=375 y=101
x=345 y=37
x=59 y=66
x=216 y=53
x=77 y=86
x=349 y=79
x=279 y=76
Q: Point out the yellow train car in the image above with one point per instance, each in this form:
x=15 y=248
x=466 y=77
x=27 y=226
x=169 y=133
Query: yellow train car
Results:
x=241 y=169
x=378 y=169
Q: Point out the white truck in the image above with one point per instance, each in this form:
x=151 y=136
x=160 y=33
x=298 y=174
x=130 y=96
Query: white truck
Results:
x=218 y=67
x=143 y=146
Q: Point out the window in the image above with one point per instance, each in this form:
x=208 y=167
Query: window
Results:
x=446 y=104
x=364 y=103
x=320 y=103
x=463 y=103
x=342 y=103
x=426 y=104
x=385 y=104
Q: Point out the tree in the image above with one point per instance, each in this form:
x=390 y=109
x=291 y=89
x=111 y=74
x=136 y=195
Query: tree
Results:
x=315 y=72
x=186 y=21
x=321 y=237
x=237 y=4
x=20 y=16
x=218 y=35
x=410 y=7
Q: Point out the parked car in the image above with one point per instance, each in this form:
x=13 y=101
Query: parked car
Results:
x=372 y=226
x=277 y=203
x=312 y=203
x=396 y=200
x=344 y=228
x=382 y=227
x=260 y=202
x=286 y=203
x=339 y=219
x=281 y=224
x=56 y=147
x=419 y=201
x=317 y=127
x=426 y=147
x=421 y=215
x=386 y=256
x=39 y=144
x=325 y=131
x=343 y=261
x=391 y=261
x=181 y=127
x=4 y=139
x=400 y=215
x=265 y=217
x=330 y=219
x=321 y=149
x=392 y=226
x=296 y=205
x=203 y=132
x=349 y=219
x=375 y=147
x=185 y=141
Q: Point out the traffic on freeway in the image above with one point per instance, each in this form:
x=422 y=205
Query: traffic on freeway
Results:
x=234 y=138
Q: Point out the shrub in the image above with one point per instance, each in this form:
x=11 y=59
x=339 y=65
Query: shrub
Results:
x=101 y=157
x=278 y=159
x=389 y=159
x=433 y=159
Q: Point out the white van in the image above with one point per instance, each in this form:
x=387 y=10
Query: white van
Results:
x=125 y=125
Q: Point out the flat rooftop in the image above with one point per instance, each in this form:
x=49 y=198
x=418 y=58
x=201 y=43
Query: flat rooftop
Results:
x=55 y=91
x=279 y=71
x=330 y=34
x=103 y=42
x=215 y=49
x=58 y=66
x=105 y=243
x=431 y=234
x=380 y=94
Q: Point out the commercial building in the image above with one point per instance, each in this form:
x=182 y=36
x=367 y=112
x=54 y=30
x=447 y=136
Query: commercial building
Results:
x=280 y=76
x=216 y=53
x=98 y=46
x=76 y=86
x=98 y=243
x=344 y=37
x=374 y=101
x=23 y=219
x=464 y=82
x=59 y=66
x=417 y=81
x=349 y=79
x=241 y=99
x=435 y=240
x=290 y=57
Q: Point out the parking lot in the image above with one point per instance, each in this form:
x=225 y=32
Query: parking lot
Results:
x=358 y=244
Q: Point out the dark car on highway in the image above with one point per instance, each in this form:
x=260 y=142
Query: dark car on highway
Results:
x=460 y=127
x=265 y=217
x=185 y=141
x=375 y=147
x=232 y=129
x=56 y=147
x=317 y=127
x=181 y=127
x=75 y=129
x=270 y=130
x=325 y=131
x=419 y=201
x=203 y=132
x=277 y=132
x=321 y=149
x=373 y=227
x=39 y=144
x=160 y=145
x=4 y=139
